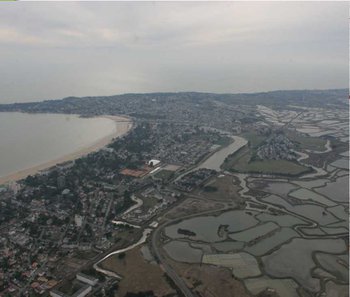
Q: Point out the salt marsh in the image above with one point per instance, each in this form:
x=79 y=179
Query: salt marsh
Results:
x=295 y=259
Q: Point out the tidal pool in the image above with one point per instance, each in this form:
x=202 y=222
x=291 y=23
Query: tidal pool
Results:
x=294 y=259
x=334 y=231
x=285 y=220
x=313 y=212
x=336 y=265
x=320 y=273
x=340 y=212
x=255 y=232
x=330 y=168
x=312 y=231
x=312 y=183
x=182 y=252
x=206 y=228
x=202 y=246
x=265 y=245
x=228 y=246
x=279 y=188
x=337 y=191
x=322 y=133
x=345 y=154
x=344 y=224
x=341 y=173
x=305 y=194
x=336 y=290
x=341 y=163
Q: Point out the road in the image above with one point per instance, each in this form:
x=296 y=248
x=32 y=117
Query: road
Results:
x=162 y=261
x=168 y=270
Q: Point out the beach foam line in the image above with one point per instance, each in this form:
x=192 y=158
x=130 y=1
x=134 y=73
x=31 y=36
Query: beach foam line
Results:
x=95 y=146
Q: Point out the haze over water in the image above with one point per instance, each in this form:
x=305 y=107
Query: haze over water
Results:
x=27 y=140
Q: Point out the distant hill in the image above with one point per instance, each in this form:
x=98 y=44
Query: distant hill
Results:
x=137 y=103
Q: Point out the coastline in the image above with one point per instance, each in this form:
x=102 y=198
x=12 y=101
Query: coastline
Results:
x=124 y=123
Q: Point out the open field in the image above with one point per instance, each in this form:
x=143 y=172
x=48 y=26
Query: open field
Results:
x=148 y=203
x=164 y=174
x=240 y=162
x=307 y=142
x=210 y=281
x=138 y=275
x=254 y=139
x=220 y=189
x=191 y=206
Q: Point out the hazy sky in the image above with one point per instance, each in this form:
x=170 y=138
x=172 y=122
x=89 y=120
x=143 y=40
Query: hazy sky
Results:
x=51 y=50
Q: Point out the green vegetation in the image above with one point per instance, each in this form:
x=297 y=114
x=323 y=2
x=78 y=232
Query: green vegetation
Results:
x=223 y=141
x=306 y=142
x=149 y=202
x=164 y=174
x=121 y=256
x=243 y=161
x=210 y=189
x=254 y=139
x=186 y=232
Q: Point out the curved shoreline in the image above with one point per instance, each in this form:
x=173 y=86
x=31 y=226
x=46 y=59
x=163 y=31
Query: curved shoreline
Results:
x=95 y=146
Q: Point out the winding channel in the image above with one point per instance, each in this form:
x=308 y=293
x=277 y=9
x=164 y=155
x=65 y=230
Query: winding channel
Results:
x=214 y=162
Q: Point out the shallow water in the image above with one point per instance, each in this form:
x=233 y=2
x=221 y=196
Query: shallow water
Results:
x=228 y=246
x=332 y=263
x=337 y=191
x=28 y=140
x=305 y=194
x=282 y=220
x=294 y=259
x=182 y=252
x=313 y=212
x=265 y=245
x=280 y=188
x=206 y=228
x=312 y=183
x=340 y=212
x=255 y=232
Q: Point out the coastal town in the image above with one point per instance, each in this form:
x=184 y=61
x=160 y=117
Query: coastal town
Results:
x=186 y=157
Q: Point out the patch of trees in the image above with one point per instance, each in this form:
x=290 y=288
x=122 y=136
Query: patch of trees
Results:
x=210 y=189
x=186 y=232
x=121 y=256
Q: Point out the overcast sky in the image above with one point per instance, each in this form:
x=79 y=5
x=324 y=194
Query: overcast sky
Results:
x=50 y=50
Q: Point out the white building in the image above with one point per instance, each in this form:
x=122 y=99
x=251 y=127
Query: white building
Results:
x=87 y=279
x=78 y=220
x=82 y=292
x=153 y=162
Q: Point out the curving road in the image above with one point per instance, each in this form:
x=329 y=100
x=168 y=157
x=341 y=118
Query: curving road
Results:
x=179 y=282
x=167 y=268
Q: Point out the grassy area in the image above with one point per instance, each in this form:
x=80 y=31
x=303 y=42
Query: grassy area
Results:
x=149 y=202
x=138 y=274
x=274 y=167
x=240 y=162
x=225 y=189
x=307 y=142
x=224 y=141
x=254 y=139
x=164 y=174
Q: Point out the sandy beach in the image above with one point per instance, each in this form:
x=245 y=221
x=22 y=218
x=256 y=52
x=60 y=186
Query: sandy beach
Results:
x=123 y=125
